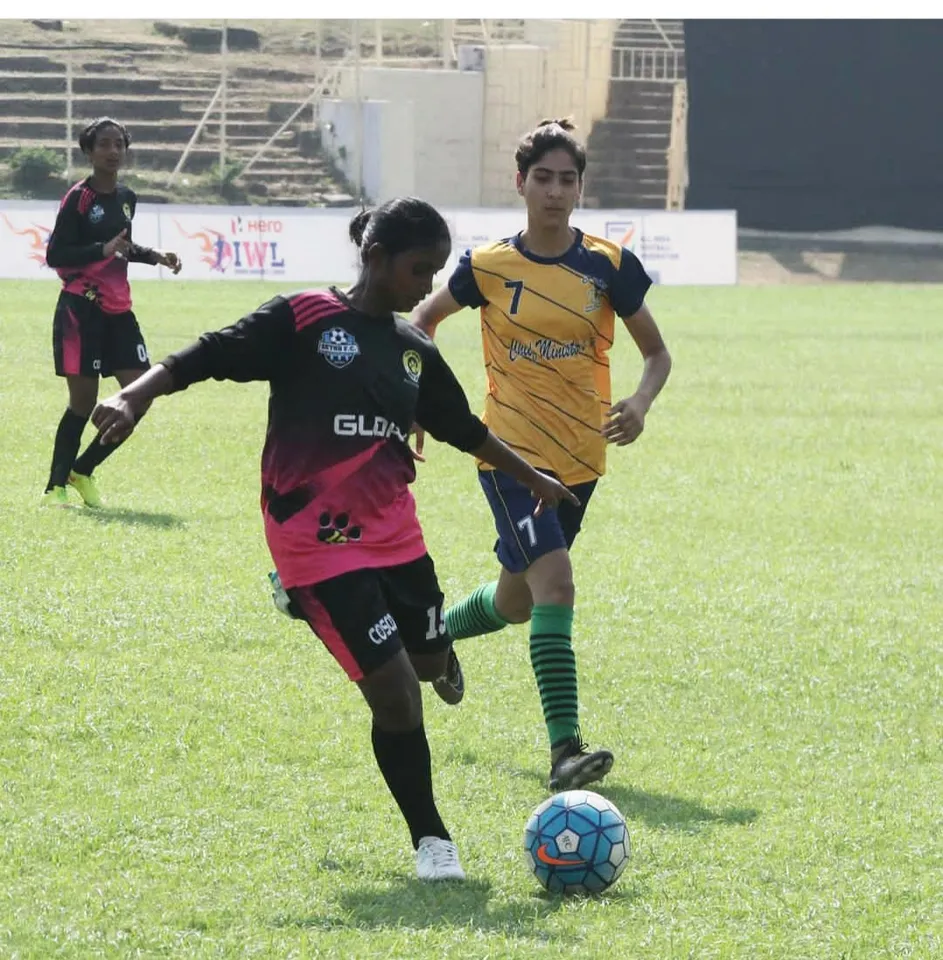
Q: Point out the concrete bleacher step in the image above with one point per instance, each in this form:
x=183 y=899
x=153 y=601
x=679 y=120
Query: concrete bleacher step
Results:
x=56 y=83
x=631 y=91
x=161 y=91
x=288 y=161
x=147 y=156
x=654 y=164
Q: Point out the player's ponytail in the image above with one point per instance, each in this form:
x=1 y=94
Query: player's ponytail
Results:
x=406 y=223
x=550 y=134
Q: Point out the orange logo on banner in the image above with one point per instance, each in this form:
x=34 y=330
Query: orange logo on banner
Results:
x=212 y=247
x=38 y=238
x=252 y=255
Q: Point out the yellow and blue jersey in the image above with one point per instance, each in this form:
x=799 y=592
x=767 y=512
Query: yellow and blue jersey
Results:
x=547 y=325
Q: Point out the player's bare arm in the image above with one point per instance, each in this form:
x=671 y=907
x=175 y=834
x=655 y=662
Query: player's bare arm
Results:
x=434 y=309
x=627 y=416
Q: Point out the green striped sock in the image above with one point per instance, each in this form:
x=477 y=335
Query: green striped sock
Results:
x=551 y=656
x=475 y=615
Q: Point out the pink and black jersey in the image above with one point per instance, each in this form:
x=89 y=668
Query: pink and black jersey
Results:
x=345 y=390
x=87 y=220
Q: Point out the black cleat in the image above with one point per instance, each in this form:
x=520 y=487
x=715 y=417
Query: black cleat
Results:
x=573 y=766
x=451 y=685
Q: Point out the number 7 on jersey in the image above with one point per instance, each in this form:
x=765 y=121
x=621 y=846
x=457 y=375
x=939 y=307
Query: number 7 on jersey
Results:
x=517 y=286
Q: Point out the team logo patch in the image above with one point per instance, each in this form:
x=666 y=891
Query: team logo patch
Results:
x=596 y=290
x=96 y=214
x=338 y=347
x=412 y=362
x=126 y=209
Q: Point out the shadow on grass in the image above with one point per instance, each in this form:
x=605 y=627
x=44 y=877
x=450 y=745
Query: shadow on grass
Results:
x=662 y=810
x=132 y=518
x=408 y=902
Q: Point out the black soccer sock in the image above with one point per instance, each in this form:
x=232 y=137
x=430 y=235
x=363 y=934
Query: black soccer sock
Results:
x=406 y=765
x=96 y=453
x=68 y=440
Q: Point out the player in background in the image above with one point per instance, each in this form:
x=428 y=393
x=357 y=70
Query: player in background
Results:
x=94 y=332
x=548 y=298
x=348 y=379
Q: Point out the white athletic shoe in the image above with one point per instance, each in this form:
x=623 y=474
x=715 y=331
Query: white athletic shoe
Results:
x=437 y=859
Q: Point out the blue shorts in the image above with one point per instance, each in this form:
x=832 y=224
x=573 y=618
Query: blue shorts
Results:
x=522 y=537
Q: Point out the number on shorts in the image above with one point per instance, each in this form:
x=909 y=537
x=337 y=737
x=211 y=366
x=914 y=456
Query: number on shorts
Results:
x=142 y=353
x=526 y=525
x=436 y=623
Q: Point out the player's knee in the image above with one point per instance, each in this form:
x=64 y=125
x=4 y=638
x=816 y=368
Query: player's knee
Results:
x=83 y=395
x=556 y=590
x=516 y=610
x=82 y=402
x=396 y=704
x=399 y=716
x=550 y=579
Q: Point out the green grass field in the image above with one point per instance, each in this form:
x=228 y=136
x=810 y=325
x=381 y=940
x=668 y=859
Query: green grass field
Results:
x=186 y=773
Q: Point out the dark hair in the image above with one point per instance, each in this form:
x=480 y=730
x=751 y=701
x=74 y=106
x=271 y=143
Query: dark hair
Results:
x=88 y=135
x=399 y=225
x=546 y=136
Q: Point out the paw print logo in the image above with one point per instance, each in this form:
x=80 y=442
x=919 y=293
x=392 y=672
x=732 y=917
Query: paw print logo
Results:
x=337 y=529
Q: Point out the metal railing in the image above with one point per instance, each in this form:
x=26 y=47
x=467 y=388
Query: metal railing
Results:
x=327 y=82
x=647 y=63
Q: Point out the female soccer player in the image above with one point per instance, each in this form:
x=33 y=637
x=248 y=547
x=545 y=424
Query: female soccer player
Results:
x=548 y=298
x=95 y=334
x=348 y=379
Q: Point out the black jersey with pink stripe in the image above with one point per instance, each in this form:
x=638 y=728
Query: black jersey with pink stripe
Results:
x=87 y=220
x=345 y=389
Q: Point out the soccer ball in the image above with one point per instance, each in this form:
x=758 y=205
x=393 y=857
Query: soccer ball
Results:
x=576 y=842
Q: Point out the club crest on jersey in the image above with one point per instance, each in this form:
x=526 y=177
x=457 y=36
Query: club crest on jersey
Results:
x=338 y=347
x=412 y=363
x=597 y=288
x=126 y=210
x=96 y=213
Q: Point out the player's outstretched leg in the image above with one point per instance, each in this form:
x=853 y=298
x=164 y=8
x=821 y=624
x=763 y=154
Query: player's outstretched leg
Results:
x=402 y=753
x=476 y=615
x=344 y=611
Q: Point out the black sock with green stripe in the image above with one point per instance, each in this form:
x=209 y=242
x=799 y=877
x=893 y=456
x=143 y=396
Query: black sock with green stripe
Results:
x=554 y=663
x=475 y=615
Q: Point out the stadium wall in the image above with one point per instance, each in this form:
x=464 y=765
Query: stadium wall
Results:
x=437 y=154
x=450 y=135
x=817 y=125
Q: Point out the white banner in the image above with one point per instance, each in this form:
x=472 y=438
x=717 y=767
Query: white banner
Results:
x=255 y=243
x=311 y=246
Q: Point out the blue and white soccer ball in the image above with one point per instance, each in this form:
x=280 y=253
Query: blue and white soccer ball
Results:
x=576 y=842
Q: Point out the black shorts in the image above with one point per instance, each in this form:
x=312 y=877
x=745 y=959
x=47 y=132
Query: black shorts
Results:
x=88 y=342
x=366 y=617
